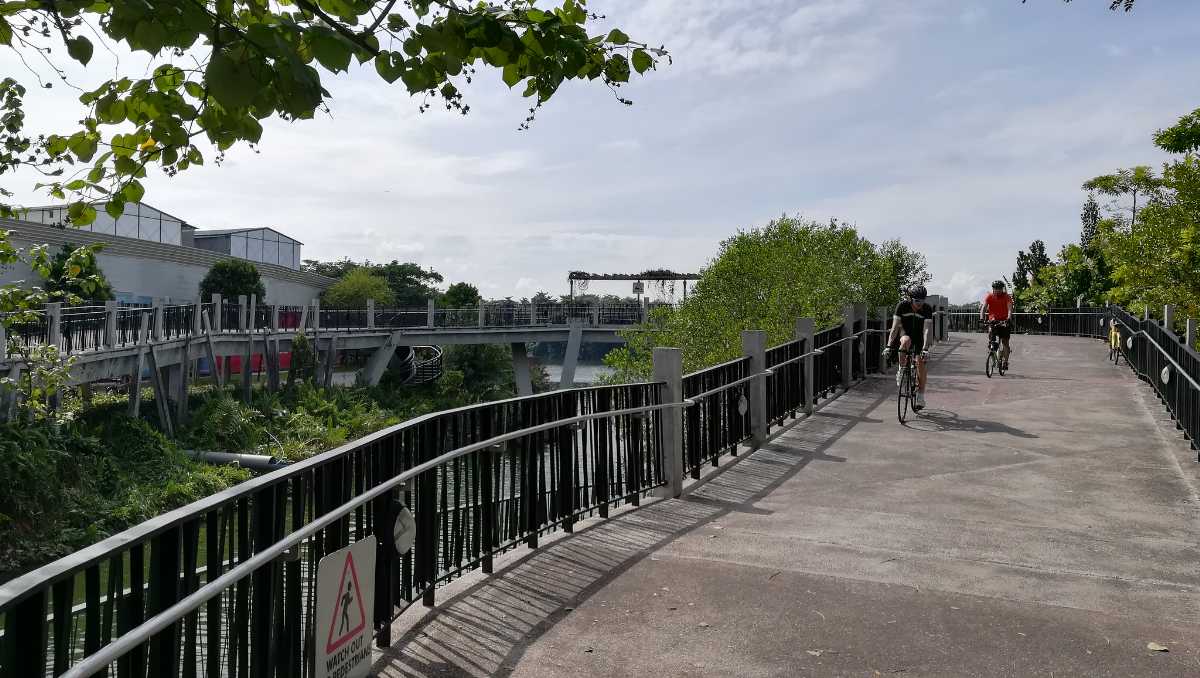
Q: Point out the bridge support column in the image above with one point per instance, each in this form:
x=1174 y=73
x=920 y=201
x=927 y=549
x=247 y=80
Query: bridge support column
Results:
x=805 y=328
x=668 y=369
x=754 y=347
x=520 y=358
x=377 y=364
x=847 y=346
x=571 y=357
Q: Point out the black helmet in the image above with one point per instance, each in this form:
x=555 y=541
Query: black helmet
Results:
x=917 y=293
x=998 y=285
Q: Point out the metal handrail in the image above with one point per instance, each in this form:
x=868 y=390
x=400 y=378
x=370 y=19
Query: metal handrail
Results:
x=159 y=622
x=689 y=402
x=1178 y=367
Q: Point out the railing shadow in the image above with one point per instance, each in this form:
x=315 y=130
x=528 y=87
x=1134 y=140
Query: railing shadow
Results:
x=485 y=629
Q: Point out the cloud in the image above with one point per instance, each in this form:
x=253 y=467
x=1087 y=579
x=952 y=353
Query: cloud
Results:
x=964 y=287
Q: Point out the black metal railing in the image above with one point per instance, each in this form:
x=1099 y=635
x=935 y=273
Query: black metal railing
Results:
x=1083 y=322
x=827 y=366
x=719 y=419
x=1162 y=358
x=129 y=324
x=178 y=321
x=785 y=383
x=231 y=316
x=468 y=507
x=81 y=328
x=343 y=318
x=401 y=318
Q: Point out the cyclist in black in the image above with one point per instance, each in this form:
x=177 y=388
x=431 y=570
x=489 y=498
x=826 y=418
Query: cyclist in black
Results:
x=909 y=332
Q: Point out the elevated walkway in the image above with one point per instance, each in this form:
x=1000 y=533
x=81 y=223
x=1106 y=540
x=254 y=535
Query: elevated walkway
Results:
x=1043 y=523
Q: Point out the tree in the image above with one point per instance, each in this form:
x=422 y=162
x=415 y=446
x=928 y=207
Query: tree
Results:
x=231 y=278
x=1131 y=182
x=74 y=273
x=411 y=285
x=1089 y=219
x=1183 y=136
x=356 y=287
x=1028 y=265
x=1076 y=275
x=908 y=266
x=763 y=279
x=461 y=295
x=217 y=68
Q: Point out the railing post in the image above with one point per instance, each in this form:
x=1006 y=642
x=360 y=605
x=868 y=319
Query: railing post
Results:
x=645 y=309
x=847 y=346
x=242 y=301
x=218 y=315
x=668 y=369
x=860 y=321
x=1189 y=334
x=430 y=313
x=754 y=347
x=1169 y=319
x=482 y=313
x=54 y=323
x=532 y=313
x=110 y=324
x=805 y=328
x=197 y=320
x=596 y=315
x=158 y=322
x=275 y=318
x=370 y=314
x=252 y=314
x=316 y=315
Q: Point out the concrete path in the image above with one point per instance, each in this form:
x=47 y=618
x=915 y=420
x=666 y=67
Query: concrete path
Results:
x=1040 y=524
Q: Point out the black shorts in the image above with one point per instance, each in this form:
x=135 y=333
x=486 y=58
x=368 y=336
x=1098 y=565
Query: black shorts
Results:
x=917 y=345
x=1002 y=330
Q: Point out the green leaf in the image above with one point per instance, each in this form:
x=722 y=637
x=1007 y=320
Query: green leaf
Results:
x=6 y=33
x=75 y=185
x=617 y=68
x=134 y=191
x=81 y=213
x=149 y=35
x=642 y=61
x=80 y=49
x=230 y=81
x=194 y=89
x=616 y=37
x=389 y=66
x=168 y=77
x=115 y=206
x=512 y=75
x=332 y=52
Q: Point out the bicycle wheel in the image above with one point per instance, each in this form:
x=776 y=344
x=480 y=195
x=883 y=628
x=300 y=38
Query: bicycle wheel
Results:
x=903 y=394
x=1000 y=367
x=990 y=364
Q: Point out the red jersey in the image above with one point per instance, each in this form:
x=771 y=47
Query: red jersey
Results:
x=997 y=305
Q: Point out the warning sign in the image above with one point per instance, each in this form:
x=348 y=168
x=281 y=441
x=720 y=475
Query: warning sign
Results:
x=345 y=608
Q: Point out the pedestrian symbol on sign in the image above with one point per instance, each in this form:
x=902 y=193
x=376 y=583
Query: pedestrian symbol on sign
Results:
x=353 y=617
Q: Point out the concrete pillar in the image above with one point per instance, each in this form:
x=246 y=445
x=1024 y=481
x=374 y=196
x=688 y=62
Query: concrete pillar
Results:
x=430 y=313
x=532 y=313
x=158 y=333
x=316 y=316
x=482 y=314
x=110 y=324
x=805 y=328
x=377 y=364
x=520 y=358
x=571 y=357
x=252 y=314
x=243 y=306
x=860 y=321
x=197 y=314
x=218 y=316
x=668 y=369
x=847 y=346
x=1169 y=318
x=1189 y=334
x=754 y=347
x=54 y=323
x=596 y=315
x=275 y=318
x=370 y=314
x=645 y=309
x=1146 y=313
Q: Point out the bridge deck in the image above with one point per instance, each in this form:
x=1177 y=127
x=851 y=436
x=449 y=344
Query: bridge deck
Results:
x=1043 y=523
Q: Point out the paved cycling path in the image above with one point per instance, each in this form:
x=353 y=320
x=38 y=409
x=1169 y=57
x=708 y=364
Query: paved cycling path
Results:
x=1040 y=524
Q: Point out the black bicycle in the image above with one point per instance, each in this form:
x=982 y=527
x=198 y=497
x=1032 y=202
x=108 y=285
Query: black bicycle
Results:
x=995 y=359
x=907 y=394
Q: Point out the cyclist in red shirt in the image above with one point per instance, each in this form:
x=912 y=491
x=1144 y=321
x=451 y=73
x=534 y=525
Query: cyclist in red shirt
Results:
x=997 y=311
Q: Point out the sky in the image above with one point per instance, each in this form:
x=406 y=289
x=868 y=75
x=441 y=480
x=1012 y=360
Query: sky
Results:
x=963 y=127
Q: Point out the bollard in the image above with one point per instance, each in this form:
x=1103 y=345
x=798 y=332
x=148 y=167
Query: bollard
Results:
x=805 y=328
x=668 y=369
x=754 y=347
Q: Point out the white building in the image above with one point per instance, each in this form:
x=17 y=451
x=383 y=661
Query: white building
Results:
x=150 y=255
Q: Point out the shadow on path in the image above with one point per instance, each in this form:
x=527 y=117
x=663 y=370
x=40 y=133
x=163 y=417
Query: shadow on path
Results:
x=942 y=420
x=485 y=629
